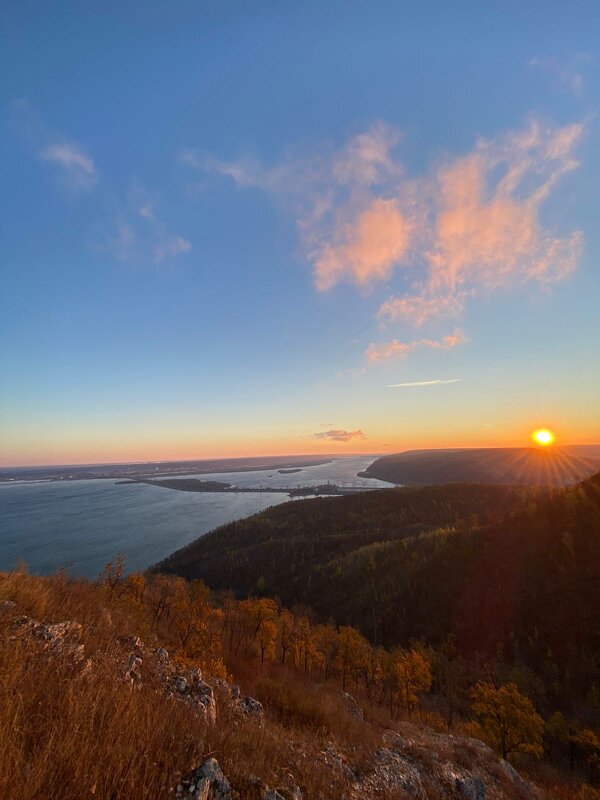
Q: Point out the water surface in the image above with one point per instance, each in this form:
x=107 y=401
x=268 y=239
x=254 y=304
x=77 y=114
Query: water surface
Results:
x=80 y=525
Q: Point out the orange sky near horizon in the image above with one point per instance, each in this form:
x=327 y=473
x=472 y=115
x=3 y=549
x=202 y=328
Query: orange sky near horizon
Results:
x=90 y=450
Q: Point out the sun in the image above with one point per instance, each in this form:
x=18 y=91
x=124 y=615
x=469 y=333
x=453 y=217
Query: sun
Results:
x=543 y=437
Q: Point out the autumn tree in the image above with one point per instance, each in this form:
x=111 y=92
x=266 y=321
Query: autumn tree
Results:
x=352 y=647
x=413 y=677
x=588 y=742
x=267 y=638
x=508 y=719
x=160 y=598
x=190 y=614
x=112 y=578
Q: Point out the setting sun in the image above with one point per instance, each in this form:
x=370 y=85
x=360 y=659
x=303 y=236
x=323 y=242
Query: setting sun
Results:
x=543 y=437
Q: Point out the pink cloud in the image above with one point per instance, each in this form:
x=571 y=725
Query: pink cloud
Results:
x=418 y=309
x=385 y=351
x=487 y=232
x=367 y=158
x=339 y=435
x=365 y=248
x=464 y=228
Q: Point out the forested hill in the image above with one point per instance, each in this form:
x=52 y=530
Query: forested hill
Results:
x=505 y=572
x=287 y=551
x=526 y=466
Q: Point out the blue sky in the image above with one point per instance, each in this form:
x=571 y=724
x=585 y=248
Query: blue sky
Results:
x=229 y=228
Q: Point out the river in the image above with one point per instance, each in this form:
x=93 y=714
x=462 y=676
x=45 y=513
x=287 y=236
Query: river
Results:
x=80 y=525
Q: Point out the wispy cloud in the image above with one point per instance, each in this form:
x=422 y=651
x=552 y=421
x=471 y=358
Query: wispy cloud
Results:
x=339 y=435
x=77 y=169
x=419 y=309
x=136 y=234
x=385 y=351
x=128 y=227
x=411 y=384
x=568 y=76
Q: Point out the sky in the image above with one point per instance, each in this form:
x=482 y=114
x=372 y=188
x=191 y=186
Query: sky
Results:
x=245 y=228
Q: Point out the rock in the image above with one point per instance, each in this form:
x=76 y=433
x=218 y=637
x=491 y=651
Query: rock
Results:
x=392 y=772
x=133 y=673
x=204 y=696
x=196 y=692
x=353 y=707
x=162 y=656
x=251 y=707
x=464 y=783
x=179 y=685
x=207 y=782
x=58 y=638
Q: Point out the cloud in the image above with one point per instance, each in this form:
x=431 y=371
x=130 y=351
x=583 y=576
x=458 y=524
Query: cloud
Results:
x=411 y=384
x=78 y=171
x=567 y=75
x=385 y=351
x=136 y=234
x=486 y=232
x=74 y=167
x=339 y=435
x=418 y=309
x=469 y=225
x=364 y=248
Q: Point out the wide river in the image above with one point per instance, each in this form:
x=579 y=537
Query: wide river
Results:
x=80 y=525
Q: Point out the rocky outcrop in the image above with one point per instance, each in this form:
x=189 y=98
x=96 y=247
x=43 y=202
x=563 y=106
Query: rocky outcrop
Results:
x=193 y=690
x=420 y=762
x=207 y=782
x=248 y=706
x=59 y=638
x=251 y=707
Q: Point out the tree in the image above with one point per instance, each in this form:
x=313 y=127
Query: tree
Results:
x=267 y=637
x=589 y=742
x=413 y=676
x=508 y=719
x=191 y=613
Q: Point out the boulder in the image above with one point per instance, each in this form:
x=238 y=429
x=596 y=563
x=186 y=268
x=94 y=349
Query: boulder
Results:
x=251 y=707
x=207 y=782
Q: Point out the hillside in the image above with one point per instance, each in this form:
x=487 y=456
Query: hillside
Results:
x=286 y=549
x=508 y=574
x=125 y=688
x=527 y=466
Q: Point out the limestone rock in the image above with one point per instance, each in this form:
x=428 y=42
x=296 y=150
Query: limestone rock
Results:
x=207 y=782
x=196 y=692
x=251 y=707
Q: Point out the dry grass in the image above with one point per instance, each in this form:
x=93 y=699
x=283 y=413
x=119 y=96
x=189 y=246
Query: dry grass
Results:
x=68 y=735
